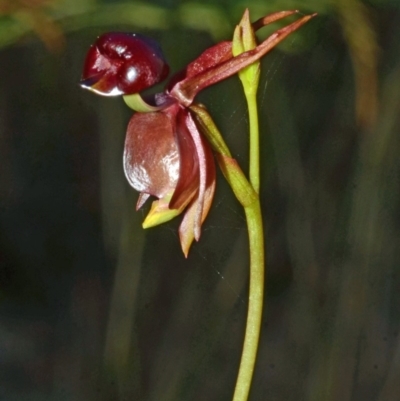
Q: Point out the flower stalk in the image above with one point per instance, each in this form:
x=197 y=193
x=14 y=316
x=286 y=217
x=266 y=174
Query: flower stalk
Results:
x=250 y=201
x=256 y=301
x=248 y=195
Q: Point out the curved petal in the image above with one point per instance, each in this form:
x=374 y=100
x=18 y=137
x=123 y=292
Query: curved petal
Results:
x=151 y=155
x=198 y=209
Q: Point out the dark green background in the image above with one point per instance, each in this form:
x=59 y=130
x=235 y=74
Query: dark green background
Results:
x=92 y=307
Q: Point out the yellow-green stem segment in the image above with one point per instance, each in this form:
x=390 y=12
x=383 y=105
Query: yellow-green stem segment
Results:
x=256 y=301
x=254 y=163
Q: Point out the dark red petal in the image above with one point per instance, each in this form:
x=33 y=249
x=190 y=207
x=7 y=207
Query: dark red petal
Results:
x=188 y=181
x=123 y=63
x=151 y=155
x=222 y=51
x=209 y=58
x=185 y=91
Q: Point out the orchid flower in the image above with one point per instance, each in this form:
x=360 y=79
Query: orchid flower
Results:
x=166 y=155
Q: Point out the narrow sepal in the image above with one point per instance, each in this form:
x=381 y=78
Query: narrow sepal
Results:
x=186 y=90
x=221 y=51
x=269 y=19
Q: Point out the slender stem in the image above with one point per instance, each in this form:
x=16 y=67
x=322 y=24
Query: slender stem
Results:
x=256 y=300
x=256 y=246
x=250 y=201
x=254 y=168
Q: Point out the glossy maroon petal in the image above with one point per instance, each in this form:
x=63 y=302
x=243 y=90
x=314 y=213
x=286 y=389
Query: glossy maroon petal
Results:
x=186 y=90
x=188 y=181
x=151 y=154
x=123 y=63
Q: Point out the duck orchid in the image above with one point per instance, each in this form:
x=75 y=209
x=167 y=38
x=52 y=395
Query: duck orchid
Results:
x=166 y=152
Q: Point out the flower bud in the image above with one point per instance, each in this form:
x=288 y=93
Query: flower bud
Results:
x=120 y=63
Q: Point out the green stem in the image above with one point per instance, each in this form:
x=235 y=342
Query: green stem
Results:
x=254 y=168
x=256 y=301
x=256 y=245
x=249 y=199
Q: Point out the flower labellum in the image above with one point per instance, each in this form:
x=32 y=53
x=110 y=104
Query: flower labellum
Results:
x=165 y=156
x=120 y=63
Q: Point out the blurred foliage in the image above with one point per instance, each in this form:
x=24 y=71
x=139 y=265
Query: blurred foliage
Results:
x=75 y=15
x=93 y=307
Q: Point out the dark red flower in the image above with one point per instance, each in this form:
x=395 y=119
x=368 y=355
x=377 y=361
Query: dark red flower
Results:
x=165 y=154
